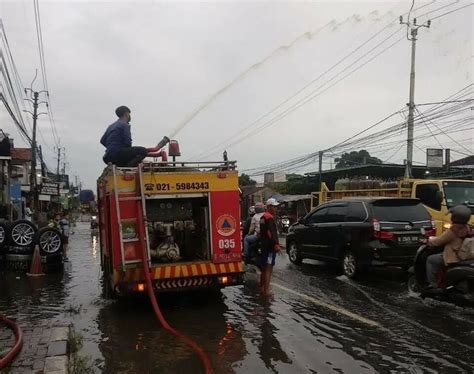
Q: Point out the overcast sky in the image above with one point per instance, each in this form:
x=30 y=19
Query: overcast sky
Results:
x=165 y=60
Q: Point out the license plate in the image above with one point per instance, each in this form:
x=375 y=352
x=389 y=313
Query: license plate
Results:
x=407 y=239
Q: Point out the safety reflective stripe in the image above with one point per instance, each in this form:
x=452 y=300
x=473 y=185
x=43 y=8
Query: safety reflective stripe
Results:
x=183 y=271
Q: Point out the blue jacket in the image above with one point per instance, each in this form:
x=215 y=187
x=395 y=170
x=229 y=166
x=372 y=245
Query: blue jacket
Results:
x=116 y=137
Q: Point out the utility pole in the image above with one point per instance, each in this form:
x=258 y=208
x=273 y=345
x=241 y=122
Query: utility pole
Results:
x=413 y=27
x=33 y=153
x=320 y=153
x=59 y=158
x=34 y=100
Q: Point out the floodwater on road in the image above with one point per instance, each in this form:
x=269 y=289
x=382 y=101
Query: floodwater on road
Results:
x=315 y=321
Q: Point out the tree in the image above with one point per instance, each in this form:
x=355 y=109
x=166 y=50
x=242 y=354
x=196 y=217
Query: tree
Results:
x=356 y=158
x=245 y=180
x=295 y=185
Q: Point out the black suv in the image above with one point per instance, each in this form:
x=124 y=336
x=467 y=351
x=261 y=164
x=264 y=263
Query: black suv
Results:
x=361 y=232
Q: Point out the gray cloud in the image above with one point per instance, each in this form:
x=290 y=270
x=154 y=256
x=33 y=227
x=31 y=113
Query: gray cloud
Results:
x=166 y=59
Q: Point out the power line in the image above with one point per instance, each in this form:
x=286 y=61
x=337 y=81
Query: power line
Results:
x=437 y=9
x=445 y=102
x=306 y=86
x=455 y=10
x=310 y=96
x=436 y=112
x=43 y=71
x=445 y=133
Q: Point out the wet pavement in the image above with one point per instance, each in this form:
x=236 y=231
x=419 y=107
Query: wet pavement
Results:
x=315 y=322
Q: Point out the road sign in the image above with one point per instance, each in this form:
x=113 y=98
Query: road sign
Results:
x=434 y=158
x=51 y=189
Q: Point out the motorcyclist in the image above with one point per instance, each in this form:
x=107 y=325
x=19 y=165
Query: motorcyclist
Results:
x=94 y=223
x=253 y=234
x=246 y=227
x=451 y=240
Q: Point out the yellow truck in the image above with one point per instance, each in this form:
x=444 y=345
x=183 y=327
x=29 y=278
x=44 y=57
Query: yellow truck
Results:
x=437 y=195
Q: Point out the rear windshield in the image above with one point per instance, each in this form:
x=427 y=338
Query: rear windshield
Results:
x=399 y=210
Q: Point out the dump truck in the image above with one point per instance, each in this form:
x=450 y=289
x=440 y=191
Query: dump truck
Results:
x=437 y=195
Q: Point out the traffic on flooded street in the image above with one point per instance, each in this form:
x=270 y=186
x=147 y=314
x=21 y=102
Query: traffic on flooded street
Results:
x=314 y=321
x=236 y=187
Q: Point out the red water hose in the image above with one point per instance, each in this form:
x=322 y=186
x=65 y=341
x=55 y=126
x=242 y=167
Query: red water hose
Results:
x=206 y=362
x=5 y=360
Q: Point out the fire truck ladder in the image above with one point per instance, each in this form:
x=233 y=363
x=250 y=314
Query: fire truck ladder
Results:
x=139 y=222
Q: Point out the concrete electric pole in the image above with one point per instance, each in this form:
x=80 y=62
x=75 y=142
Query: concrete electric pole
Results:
x=58 y=168
x=413 y=28
x=34 y=100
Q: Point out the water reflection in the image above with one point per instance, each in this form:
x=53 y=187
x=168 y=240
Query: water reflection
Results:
x=133 y=340
x=94 y=245
x=269 y=348
x=32 y=298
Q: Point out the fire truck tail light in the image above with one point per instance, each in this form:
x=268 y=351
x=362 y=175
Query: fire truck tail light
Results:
x=141 y=287
x=225 y=280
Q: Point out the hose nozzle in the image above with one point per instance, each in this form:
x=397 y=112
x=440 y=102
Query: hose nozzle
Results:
x=163 y=142
x=160 y=145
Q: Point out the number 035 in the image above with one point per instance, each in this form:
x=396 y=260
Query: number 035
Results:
x=226 y=243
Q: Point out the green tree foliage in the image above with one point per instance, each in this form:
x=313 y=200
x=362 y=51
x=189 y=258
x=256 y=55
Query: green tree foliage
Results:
x=245 y=180
x=356 y=158
x=295 y=185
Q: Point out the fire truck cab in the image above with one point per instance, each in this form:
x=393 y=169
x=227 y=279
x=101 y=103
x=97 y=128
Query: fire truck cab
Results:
x=185 y=216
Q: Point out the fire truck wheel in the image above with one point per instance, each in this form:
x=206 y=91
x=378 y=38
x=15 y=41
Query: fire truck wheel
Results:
x=107 y=290
x=49 y=241
x=22 y=233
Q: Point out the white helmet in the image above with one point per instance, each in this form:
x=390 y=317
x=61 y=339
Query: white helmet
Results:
x=272 y=202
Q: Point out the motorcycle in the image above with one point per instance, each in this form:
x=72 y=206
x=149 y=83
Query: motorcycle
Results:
x=455 y=282
x=94 y=225
x=284 y=224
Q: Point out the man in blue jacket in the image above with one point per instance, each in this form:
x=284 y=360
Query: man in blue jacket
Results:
x=117 y=140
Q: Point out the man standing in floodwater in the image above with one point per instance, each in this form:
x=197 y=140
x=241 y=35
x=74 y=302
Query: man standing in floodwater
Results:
x=117 y=140
x=270 y=244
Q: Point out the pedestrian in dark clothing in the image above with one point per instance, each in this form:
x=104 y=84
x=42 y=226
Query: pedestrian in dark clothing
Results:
x=117 y=140
x=270 y=244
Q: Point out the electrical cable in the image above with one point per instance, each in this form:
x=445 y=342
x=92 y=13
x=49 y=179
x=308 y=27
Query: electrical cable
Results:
x=437 y=9
x=455 y=10
x=439 y=112
x=443 y=132
x=43 y=71
x=205 y=154
x=306 y=99
x=441 y=102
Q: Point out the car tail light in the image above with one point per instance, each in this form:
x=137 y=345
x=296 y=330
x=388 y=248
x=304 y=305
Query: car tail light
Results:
x=378 y=234
x=429 y=233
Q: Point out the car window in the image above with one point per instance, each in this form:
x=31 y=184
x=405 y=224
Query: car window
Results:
x=336 y=214
x=356 y=213
x=318 y=216
x=400 y=210
x=427 y=193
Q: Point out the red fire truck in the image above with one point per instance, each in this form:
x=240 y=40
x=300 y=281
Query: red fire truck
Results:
x=185 y=216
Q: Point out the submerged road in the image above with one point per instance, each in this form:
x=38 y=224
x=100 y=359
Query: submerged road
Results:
x=316 y=322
